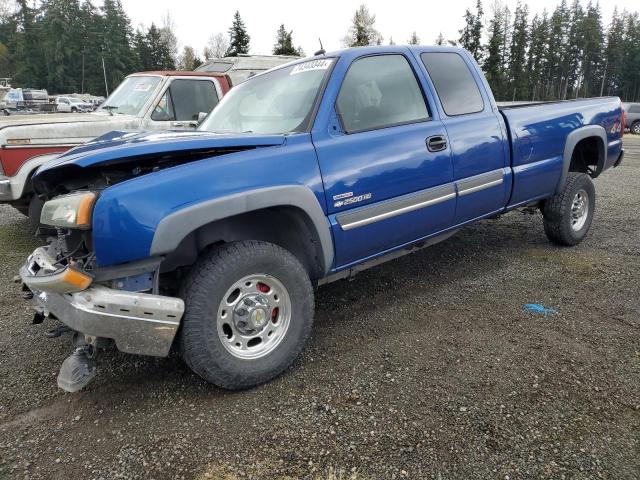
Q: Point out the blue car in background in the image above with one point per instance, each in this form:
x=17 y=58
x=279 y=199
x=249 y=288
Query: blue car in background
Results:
x=212 y=242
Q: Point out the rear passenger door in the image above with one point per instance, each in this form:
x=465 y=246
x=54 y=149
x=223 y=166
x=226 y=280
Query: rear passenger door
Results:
x=477 y=139
x=384 y=160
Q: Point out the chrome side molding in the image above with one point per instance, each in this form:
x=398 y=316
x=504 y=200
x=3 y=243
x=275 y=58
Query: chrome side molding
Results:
x=414 y=201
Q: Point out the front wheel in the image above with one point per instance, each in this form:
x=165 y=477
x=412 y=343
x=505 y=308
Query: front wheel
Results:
x=568 y=214
x=635 y=128
x=249 y=312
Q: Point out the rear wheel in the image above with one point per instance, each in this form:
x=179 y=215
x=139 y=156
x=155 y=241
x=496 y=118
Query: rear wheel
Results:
x=249 y=312
x=568 y=214
x=635 y=128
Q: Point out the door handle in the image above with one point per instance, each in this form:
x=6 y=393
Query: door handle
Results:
x=436 y=143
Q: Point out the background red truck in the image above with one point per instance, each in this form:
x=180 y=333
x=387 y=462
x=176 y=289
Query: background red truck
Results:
x=161 y=100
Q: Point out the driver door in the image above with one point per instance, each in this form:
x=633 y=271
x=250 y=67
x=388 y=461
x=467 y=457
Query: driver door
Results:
x=181 y=103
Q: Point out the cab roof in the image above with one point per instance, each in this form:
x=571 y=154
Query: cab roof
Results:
x=179 y=73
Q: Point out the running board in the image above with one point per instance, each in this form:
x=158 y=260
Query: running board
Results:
x=353 y=271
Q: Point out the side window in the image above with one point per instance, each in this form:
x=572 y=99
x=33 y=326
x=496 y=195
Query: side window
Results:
x=380 y=91
x=634 y=109
x=456 y=87
x=164 y=109
x=185 y=99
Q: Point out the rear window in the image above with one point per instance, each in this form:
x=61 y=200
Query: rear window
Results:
x=456 y=87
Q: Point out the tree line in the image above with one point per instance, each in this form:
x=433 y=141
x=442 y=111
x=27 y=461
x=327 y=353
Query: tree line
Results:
x=567 y=53
x=67 y=46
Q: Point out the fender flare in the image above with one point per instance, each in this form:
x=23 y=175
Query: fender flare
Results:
x=572 y=140
x=176 y=226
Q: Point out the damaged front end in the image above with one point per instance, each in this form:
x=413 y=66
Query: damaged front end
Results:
x=99 y=306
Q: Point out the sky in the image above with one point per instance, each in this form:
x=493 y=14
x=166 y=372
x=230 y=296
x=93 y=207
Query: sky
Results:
x=197 y=20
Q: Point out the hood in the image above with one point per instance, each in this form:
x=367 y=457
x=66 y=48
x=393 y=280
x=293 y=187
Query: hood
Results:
x=49 y=119
x=120 y=155
x=66 y=128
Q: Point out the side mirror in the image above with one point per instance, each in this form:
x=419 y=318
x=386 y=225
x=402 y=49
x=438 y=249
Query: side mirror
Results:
x=201 y=117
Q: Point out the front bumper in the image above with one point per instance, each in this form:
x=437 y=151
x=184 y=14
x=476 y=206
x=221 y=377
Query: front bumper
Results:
x=5 y=189
x=139 y=323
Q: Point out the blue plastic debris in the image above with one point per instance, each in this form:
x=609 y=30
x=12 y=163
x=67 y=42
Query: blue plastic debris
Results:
x=538 y=308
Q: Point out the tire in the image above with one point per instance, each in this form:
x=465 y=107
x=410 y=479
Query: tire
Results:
x=208 y=344
x=74 y=110
x=568 y=214
x=635 y=128
x=34 y=211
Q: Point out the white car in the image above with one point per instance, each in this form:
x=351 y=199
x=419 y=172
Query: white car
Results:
x=72 y=104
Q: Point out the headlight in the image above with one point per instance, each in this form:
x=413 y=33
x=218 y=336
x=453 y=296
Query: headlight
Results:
x=69 y=211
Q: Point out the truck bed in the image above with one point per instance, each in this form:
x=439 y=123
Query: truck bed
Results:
x=539 y=132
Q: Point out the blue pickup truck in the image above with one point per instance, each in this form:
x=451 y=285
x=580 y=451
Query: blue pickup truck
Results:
x=211 y=242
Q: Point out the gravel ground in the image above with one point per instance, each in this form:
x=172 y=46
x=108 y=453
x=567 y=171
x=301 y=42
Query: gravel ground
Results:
x=426 y=367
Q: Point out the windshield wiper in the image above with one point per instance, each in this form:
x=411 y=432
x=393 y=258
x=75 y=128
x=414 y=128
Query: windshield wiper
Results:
x=109 y=108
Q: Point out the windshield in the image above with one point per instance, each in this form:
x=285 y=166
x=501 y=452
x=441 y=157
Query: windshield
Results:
x=279 y=101
x=131 y=95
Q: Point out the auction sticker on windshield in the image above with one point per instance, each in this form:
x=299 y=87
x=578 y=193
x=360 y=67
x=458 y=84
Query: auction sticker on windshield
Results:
x=143 y=87
x=312 y=65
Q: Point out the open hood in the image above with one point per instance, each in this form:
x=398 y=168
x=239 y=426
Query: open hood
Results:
x=121 y=155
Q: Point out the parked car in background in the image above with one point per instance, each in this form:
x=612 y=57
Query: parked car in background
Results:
x=72 y=105
x=632 y=112
x=239 y=68
x=143 y=101
x=212 y=241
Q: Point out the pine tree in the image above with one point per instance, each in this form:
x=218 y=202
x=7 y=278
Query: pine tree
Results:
x=61 y=45
x=159 y=51
x=536 y=60
x=495 y=61
x=471 y=34
x=284 y=43
x=362 y=31
x=142 y=51
x=30 y=68
x=414 y=39
x=614 y=54
x=90 y=31
x=116 y=49
x=517 y=53
x=238 y=37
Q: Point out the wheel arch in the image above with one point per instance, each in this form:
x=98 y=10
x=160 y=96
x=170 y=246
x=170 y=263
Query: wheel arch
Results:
x=269 y=214
x=579 y=138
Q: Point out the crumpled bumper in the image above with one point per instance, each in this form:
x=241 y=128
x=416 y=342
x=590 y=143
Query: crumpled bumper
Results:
x=139 y=323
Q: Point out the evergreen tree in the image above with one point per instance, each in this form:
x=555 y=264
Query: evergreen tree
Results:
x=90 y=33
x=118 y=55
x=159 y=51
x=30 y=69
x=537 y=67
x=414 y=39
x=238 y=37
x=614 y=54
x=284 y=43
x=362 y=31
x=495 y=61
x=471 y=34
x=517 y=54
x=142 y=51
x=61 y=46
